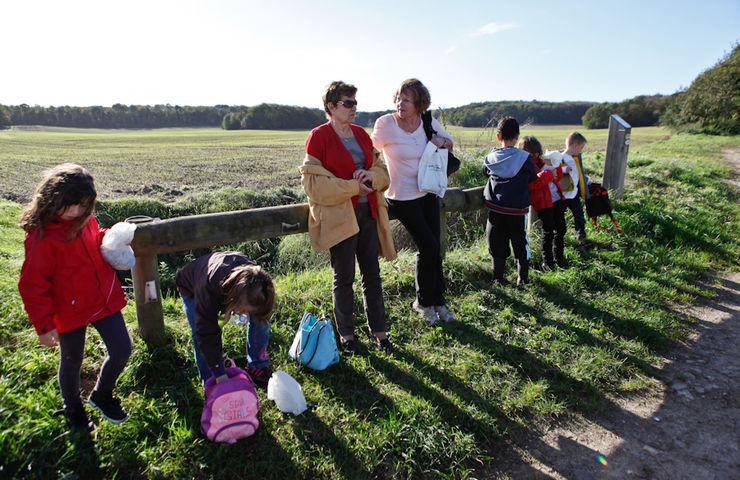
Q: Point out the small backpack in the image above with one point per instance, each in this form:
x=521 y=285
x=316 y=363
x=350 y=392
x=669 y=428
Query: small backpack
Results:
x=598 y=204
x=230 y=410
x=314 y=344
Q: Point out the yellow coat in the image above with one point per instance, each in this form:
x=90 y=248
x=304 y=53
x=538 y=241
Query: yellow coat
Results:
x=331 y=217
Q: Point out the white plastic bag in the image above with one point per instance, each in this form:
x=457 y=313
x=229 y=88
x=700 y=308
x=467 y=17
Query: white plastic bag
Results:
x=116 y=246
x=556 y=158
x=286 y=393
x=432 y=175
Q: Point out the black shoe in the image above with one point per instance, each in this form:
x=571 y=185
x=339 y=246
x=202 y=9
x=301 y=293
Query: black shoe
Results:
x=348 y=347
x=76 y=418
x=260 y=375
x=385 y=346
x=547 y=267
x=108 y=405
x=561 y=262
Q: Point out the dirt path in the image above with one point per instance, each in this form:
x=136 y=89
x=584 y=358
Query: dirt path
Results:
x=686 y=427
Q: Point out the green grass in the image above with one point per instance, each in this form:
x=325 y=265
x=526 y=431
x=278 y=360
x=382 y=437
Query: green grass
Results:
x=567 y=343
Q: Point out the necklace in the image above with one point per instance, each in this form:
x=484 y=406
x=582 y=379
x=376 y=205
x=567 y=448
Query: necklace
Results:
x=410 y=125
x=343 y=134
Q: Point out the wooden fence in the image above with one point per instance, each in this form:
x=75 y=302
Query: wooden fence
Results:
x=203 y=231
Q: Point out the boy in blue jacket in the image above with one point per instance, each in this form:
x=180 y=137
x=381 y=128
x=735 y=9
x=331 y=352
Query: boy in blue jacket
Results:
x=506 y=196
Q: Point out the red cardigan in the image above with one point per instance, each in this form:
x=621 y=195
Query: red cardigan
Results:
x=324 y=144
x=539 y=190
x=67 y=284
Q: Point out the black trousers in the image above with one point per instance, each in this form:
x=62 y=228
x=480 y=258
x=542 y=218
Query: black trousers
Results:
x=364 y=247
x=421 y=218
x=112 y=330
x=553 y=230
x=504 y=229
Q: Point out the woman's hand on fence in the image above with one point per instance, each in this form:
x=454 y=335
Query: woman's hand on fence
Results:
x=50 y=339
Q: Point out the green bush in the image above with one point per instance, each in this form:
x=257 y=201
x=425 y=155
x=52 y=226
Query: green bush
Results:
x=712 y=103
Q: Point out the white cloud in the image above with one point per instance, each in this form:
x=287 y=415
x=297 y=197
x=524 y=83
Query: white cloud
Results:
x=493 y=27
x=451 y=49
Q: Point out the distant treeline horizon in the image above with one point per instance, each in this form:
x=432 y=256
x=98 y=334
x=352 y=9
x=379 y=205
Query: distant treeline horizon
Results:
x=282 y=117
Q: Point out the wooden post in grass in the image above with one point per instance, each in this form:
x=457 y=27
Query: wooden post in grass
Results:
x=204 y=231
x=617 y=146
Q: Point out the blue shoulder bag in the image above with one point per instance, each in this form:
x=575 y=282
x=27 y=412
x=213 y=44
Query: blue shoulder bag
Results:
x=314 y=344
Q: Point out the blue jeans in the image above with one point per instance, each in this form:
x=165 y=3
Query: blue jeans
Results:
x=576 y=207
x=258 y=337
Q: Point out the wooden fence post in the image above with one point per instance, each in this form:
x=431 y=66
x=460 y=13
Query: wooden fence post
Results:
x=617 y=146
x=148 y=300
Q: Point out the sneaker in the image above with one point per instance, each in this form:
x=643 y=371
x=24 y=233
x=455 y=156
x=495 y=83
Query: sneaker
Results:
x=76 y=418
x=260 y=375
x=348 y=347
x=108 y=405
x=444 y=314
x=385 y=346
x=427 y=313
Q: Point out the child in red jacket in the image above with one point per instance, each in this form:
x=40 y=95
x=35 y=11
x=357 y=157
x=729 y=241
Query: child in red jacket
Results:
x=65 y=285
x=546 y=199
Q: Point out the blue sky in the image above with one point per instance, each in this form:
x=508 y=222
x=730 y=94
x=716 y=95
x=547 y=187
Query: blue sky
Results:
x=244 y=52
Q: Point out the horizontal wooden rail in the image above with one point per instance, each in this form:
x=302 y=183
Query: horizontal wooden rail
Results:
x=209 y=230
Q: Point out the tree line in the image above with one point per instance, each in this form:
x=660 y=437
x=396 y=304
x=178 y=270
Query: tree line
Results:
x=117 y=116
x=486 y=114
x=640 y=111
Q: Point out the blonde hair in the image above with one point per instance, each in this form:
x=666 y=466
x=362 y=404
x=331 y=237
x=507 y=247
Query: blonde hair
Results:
x=249 y=285
x=575 y=138
x=61 y=186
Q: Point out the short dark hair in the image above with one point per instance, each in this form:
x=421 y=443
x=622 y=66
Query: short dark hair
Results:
x=531 y=145
x=334 y=93
x=422 y=99
x=575 y=138
x=508 y=128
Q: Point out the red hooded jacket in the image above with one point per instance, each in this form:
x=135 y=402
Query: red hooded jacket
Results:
x=539 y=190
x=67 y=284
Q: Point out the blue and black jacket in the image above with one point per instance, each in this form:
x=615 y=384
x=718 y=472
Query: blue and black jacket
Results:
x=509 y=172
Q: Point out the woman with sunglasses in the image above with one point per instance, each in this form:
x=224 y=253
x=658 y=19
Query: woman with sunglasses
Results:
x=402 y=139
x=343 y=177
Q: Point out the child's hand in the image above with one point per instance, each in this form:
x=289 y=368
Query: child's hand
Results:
x=566 y=169
x=49 y=339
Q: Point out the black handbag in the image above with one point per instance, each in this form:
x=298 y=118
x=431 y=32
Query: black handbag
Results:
x=598 y=204
x=453 y=163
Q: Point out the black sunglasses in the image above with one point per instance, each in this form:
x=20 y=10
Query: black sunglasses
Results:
x=348 y=103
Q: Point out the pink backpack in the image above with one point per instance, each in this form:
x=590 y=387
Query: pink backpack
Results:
x=230 y=410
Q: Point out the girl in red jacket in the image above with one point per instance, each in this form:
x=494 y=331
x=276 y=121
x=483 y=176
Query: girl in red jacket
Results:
x=65 y=285
x=546 y=199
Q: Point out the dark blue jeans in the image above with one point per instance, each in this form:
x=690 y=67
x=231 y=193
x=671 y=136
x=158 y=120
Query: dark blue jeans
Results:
x=258 y=337
x=576 y=207
x=421 y=218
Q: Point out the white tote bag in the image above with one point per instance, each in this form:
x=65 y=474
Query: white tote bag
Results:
x=433 y=170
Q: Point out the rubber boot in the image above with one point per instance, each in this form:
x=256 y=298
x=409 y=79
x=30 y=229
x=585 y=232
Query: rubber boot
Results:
x=499 y=266
x=522 y=267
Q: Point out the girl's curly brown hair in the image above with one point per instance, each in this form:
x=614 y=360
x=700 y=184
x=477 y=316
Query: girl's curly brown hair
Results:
x=61 y=186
